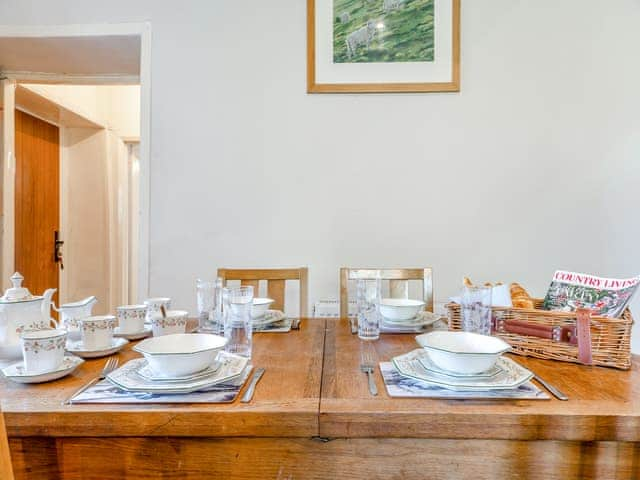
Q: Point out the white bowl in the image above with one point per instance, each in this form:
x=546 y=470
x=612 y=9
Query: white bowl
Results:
x=260 y=307
x=397 y=309
x=180 y=354
x=463 y=352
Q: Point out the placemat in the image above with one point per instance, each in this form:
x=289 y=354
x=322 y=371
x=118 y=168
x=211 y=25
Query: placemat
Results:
x=105 y=392
x=400 y=386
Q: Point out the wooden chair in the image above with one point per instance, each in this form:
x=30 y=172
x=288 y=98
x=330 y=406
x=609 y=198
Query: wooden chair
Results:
x=275 y=278
x=398 y=283
x=6 y=470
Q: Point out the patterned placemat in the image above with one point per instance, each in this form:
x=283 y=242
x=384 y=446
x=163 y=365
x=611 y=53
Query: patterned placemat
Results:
x=106 y=392
x=400 y=386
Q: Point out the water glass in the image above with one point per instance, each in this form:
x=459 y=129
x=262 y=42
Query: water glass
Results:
x=368 y=296
x=476 y=310
x=238 y=326
x=209 y=299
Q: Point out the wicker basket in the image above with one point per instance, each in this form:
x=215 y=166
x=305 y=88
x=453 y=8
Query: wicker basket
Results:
x=569 y=337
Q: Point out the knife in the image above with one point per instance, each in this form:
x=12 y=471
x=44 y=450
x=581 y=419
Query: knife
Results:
x=556 y=393
x=248 y=395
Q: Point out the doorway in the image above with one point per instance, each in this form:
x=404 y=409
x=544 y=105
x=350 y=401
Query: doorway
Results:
x=26 y=147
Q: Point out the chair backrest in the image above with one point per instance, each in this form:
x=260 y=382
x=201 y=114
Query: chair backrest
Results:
x=275 y=278
x=6 y=470
x=398 y=283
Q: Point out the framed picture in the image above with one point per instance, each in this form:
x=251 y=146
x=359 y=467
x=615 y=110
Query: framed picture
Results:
x=378 y=46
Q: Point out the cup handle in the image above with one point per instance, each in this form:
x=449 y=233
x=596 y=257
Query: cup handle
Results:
x=52 y=320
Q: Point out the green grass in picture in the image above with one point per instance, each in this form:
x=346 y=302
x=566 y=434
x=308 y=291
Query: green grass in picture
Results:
x=382 y=31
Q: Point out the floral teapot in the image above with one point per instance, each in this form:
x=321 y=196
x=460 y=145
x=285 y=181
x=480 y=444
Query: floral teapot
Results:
x=19 y=311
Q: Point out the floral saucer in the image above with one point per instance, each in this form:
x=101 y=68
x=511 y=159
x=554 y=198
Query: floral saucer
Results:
x=133 y=336
x=17 y=373
x=78 y=349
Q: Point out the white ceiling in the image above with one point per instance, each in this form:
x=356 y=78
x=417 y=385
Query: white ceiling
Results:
x=108 y=55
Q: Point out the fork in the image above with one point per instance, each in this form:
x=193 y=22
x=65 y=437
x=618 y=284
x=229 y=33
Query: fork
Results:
x=366 y=366
x=109 y=367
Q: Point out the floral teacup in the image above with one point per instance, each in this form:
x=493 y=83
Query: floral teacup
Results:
x=131 y=318
x=153 y=306
x=43 y=350
x=97 y=332
x=174 y=322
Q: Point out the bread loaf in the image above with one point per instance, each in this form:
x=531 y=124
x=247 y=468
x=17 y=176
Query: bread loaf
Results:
x=520 y=298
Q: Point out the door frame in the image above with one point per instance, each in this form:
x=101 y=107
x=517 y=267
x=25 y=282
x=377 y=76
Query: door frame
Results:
x=7 y=161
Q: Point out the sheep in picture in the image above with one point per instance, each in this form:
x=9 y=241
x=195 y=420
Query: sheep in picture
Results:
x=388 y=5
x=360 y=37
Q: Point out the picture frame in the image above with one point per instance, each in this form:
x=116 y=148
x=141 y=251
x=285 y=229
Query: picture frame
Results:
x=383 y=46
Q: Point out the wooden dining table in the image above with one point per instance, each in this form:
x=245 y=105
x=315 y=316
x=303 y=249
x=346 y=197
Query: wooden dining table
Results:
x=312 y=417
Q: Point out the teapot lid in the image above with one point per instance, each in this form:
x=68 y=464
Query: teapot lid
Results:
x=17 y=293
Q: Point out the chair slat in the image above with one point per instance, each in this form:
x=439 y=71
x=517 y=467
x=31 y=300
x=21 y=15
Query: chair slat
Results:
x=344 y=293
x=275 y=291
x=261 y=274
x=304 y=292
x=399 y=288
x=252 y=283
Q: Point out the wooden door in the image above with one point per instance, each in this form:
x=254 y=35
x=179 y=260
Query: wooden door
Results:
x=37 y=201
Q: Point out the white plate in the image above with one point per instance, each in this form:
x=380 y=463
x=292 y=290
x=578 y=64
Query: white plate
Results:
x=429 y=365
x=423 y=319
x=390 y=328
x=148 y=374
x=128 y=378
x=16 y=371
x=133 y=336
x=512 y=375
x=272 y=316
x=78 y=349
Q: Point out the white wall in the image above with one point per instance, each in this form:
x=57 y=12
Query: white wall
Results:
x=95 y=221
x=123 y=110
x=116 y=107
x=85 y=223
x=498 y=182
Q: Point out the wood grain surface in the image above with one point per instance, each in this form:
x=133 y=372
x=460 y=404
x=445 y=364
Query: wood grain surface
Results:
x=182 y=458
x=285 y=403
x=604 y=403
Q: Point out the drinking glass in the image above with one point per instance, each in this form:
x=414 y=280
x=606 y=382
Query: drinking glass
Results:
x=209 y=298
x=476 y=310
x=237 y=319
x=368 y=295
